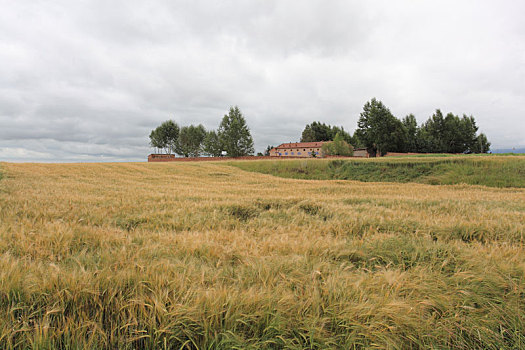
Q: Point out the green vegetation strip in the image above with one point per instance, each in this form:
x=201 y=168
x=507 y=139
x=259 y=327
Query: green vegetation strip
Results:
x=487 y=171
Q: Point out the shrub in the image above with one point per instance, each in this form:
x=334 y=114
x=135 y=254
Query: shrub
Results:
x=338 y=147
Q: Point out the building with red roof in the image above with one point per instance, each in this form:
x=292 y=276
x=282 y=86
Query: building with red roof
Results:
x=298 y=149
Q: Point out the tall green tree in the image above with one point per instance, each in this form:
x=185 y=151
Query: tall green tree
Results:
x=165 y=136
x=433 y=131
x=212 y=145
x=482 y=144
x=189 y=143
x=411 y=127
x=318 y=132
x=449 y=134
x=469 y=130
x=235 y=135
x=379 y=130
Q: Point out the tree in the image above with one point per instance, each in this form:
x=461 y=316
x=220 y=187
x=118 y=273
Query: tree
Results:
x=468 y=133
x=344 y=135
x=212 y=145
x=338 y=147
x=165 y=136
x=450 y=134
x=267 y=150
x=482 y=144
x=190 y=140
x=234 y=134
x=318 y=132
x=379 y=130
x=156 y=140
x=410 y=124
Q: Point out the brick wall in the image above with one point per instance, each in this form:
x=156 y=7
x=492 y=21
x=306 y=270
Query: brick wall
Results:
x=156 y=158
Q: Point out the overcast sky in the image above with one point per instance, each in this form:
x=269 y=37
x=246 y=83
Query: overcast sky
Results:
x=87 y=80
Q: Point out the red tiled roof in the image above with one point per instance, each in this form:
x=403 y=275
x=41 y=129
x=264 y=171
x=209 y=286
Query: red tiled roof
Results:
x=301 y=145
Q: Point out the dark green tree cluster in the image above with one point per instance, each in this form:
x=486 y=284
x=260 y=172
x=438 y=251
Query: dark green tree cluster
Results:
x=449 y=134
x=189 y=143
x=317 y=132
x=380 y=132
x=233 y=137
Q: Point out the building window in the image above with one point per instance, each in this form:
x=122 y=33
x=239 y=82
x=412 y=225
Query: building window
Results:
x=292 y=153
x=304 y=149
x=298 y=153
x=285 y=153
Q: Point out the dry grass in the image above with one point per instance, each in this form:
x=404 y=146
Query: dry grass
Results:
x=204 y=255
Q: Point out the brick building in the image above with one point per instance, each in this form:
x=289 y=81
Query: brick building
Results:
x=298 y=149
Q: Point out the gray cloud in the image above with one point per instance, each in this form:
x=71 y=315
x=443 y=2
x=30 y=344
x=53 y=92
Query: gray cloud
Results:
x=87 y=81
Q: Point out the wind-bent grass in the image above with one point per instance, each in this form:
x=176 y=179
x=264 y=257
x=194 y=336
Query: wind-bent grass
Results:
x=204 y=255
x=494 y=171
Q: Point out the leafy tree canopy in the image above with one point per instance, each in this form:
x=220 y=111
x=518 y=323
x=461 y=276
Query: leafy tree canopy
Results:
x=482 y=144
x=317 y=132
x=378 y=129
x=338 y=147
x=165 y=136
x=212 y=145
x=190 y=140
x=235 y=135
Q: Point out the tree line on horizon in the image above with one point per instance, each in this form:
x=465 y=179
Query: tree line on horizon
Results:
x=378 y=130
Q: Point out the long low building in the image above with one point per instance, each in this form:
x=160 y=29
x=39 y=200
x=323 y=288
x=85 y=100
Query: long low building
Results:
x=298 y=149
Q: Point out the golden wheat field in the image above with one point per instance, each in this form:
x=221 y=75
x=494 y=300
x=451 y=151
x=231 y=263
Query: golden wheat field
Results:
x=208 y=256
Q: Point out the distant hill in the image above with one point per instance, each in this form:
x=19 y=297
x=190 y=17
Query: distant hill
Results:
x=509 y=150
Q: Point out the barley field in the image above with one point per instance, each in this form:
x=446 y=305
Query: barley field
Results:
x=210 y=256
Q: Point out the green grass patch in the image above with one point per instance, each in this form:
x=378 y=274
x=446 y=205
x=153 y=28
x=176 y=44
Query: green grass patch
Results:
x=491 y=171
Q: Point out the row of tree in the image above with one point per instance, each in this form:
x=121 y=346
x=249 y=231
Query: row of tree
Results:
x=232 y=138
x=380 y=132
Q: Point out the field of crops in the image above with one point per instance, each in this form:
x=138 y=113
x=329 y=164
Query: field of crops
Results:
x=210 y=256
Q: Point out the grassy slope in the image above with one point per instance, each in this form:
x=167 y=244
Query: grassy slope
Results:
x=494 y=171
x=204 y=255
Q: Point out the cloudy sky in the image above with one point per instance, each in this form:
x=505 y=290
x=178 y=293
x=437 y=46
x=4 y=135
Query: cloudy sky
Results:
x=87 y=80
